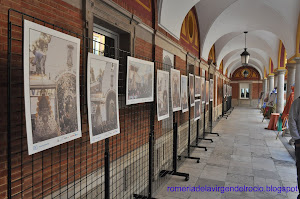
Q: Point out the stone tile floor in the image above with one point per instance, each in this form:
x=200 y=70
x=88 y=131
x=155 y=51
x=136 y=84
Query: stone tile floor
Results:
x=244 y=154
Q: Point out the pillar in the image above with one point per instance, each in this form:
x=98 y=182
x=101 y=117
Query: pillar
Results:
x=265 y=87
x=275 y=79
x=280 y=91
x=290 y=79
x=271 y=83
x=297 y=80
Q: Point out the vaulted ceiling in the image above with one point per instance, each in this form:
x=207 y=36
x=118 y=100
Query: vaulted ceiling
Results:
x=222 y=23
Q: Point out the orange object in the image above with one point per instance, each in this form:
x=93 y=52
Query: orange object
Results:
x=288 y=105
x=273 y=121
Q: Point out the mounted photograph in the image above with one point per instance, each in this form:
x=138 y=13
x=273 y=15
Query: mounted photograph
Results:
x=51 y=87
x=203 y=87
x=175 y=90
x=184 y=94
x=102 y=94
x=140 y=81
x=211 y=90
x=192 y=89
x=162 y=94
x=197 y=86
x=197 y=109
x=207 y=92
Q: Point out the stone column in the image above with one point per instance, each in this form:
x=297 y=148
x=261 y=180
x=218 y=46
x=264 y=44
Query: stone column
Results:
x=291 y=78
x=280 y=91
x=265 y=88
x=297 y=80
x=271 y=83
x=275 y=79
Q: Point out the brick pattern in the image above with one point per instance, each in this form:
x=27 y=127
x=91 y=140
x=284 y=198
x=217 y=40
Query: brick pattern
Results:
x=54 y=11
x=256 y=90
x=46 y=172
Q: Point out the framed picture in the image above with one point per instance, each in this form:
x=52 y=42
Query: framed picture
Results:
x=197 y=109
x=184 y=94
x=102 y=95
x=197 y=86
x=51 y=87
x=162 y=94
x=192 y=90
x=175 y=90
x=224 y=90
x=211 y=90
x=207 y=92
x=203 y=87
x=140 y=81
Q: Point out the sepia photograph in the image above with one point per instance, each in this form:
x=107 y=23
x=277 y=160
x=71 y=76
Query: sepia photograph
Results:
x=51 y=87
x=207 y=92
x=211 y=90
x=184 y=94
x=102 y=94
x=224 y=90
x=140 y=81
x=175 y=90
x=162 y=94
x=197 y=109
x=197 y=86
x=192 y=89
x=203 y=90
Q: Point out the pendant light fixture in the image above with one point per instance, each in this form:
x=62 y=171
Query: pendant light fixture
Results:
x=245 y=55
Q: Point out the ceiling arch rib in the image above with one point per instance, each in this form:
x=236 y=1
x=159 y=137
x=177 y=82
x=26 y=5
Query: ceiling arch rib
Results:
x=252 y=42
x=255 y=53
x=248 y=15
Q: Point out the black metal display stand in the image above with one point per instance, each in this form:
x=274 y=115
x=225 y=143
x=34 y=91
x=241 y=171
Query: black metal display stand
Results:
x=203 y=137
x=188 y=156
x=163 y=173
x=211 y=120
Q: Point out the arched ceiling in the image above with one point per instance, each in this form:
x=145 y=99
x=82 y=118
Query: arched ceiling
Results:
x=171 y=14
x=255 y=53
x=253 y=42
x=223 y=22
x=263 y=40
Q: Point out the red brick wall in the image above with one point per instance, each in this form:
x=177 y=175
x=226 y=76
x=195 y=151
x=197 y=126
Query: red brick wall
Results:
x=53 y=11
x=256 y=89
x=141 y=8
x=235 y=90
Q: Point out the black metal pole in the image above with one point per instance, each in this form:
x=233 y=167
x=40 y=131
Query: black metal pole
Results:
x=8 y=107
x=106 y=168
x=175 y=131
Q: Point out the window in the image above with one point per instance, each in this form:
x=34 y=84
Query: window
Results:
x=244 y=91
x=105 y=41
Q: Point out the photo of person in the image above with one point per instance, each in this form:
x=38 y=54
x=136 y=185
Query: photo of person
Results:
x=184 y=94
x=102 y=89
x=197 y=86
x=197 y=109
x=162 y=94
x=192 y=90
x=207 y=92
x=203 y=90
x=211 y=90
x=51 y=87
x=140 y=81
x=175 y=90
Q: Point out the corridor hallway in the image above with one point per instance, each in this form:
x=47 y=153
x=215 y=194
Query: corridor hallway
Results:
x=244 y=154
